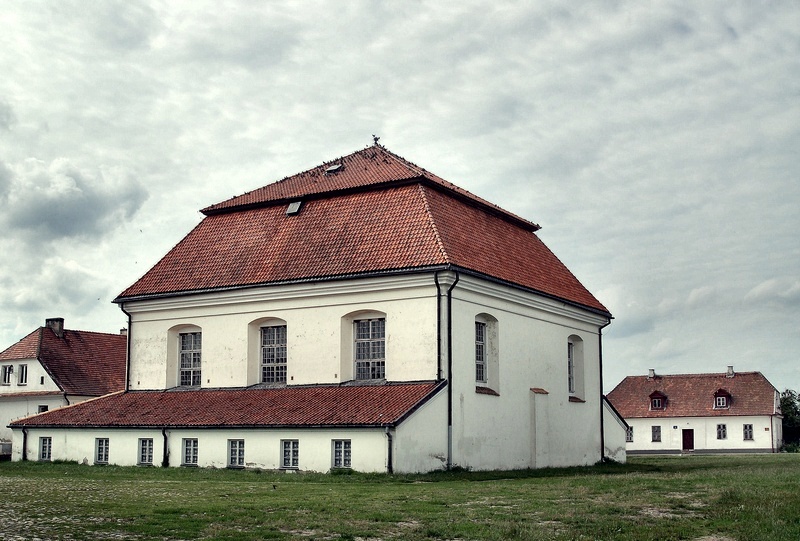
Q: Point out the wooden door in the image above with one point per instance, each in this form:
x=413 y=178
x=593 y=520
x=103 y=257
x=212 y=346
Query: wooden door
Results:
x=688 y=439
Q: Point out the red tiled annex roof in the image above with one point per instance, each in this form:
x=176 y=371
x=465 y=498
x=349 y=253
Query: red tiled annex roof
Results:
x=692 y=395
x=80 y=363
x=312 y=406
x=429 y=223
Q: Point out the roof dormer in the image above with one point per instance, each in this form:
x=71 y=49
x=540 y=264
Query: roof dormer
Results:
x=722 y=399
x=658 y=400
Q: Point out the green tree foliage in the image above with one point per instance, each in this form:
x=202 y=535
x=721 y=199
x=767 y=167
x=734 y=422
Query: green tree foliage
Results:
x=790 y=407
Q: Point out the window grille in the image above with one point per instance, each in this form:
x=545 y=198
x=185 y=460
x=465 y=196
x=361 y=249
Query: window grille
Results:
x=370 y=348
x=190 y=353
x=273 y=354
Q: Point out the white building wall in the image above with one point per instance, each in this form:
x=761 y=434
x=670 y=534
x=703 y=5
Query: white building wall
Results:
x=496 y=432
x=319 y=331
x=18 y=400
x=13 y=408
x=614 y=432
x=420 y=442
x=766 y=434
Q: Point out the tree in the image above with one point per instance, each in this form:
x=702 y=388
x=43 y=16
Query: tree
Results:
x=790 y=407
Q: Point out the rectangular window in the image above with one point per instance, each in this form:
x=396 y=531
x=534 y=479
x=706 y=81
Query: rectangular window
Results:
x=480 y=352
x=290 y=457
x=45 y=448
x=722 y=432
x=189 y=452
x=190 y=353
x=655 y=404
x=341 y=453
x=236 y=453
x=748 y=432
x=629 y=434
x=657 y=432
x=273 y=354
x=43 y=408
x=7 y=370
x=370 y=347
x=571 y=367
x=721 y=402
x=101 y=451
x=22 y=375
x=146 y=451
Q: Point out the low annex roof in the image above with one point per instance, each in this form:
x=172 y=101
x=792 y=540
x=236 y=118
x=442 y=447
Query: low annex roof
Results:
x=296 y=407
x=376 y=213
x=692 y=395
x=80 y=362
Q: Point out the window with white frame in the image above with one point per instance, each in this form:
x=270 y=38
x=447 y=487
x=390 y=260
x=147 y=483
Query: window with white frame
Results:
x=190 y=344
x=480 y=352
x=629 y=434
x=6 y=370
x=236 y=453
x=190 y=448
x=721 y=402
x=341 y=454
x=145 y=452
x=656 y=403
x=575 y=368
x=747 y=432
x=656 y=433
x=722 y=432
x=290 y=454
x=45 y=448
x=22 y=374
x=370 y=348
x=273 y=354
x=101 y=451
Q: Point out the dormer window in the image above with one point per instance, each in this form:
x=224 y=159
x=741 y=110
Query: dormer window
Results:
x=722 y=399
x=658 y=401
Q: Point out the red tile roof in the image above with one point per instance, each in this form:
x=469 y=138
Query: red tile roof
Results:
x=421 y=224
x=692 y=395
x=302 y=406
x=81 y=362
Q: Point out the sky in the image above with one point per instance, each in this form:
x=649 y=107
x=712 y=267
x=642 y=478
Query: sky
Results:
x=656 y=143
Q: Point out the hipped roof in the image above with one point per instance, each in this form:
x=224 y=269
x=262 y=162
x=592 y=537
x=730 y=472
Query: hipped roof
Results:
x=374 y=213
x=300 y=406
x=81 y=363
x=692 y=395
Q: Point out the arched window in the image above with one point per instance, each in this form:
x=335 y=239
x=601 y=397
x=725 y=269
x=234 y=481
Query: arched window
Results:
x=364 y=345
x=575 y=368
x=487 y=354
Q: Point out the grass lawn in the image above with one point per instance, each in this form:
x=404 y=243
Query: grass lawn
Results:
x=708 y=498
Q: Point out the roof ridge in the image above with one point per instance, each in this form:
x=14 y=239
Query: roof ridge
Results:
x=432 y=222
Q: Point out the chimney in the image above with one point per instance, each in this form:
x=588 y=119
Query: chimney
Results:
x=56 y=324
x=730 y=371
x=651 y=373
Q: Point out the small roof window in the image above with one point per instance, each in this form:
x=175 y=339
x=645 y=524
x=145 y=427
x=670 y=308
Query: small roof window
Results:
x=293 y=208
x=335 y=168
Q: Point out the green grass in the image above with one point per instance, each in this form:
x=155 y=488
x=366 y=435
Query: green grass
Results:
x=721 y=498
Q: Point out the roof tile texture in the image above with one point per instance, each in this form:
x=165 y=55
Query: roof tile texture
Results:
x=692 y=395
x=426 y=223
x=81 y=362
x=289 y=406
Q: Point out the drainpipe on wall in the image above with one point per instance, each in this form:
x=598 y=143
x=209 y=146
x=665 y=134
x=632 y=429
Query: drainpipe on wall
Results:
x=450 y=372
x=24 y=444
x=389 y=453
x=165 y=459
x=438 y=326
x=602 y=424
x=127 y=349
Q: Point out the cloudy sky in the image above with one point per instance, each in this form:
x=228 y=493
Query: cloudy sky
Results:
x=657 y=143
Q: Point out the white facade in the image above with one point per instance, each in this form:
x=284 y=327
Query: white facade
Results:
x=29 y=394
x=722 y=434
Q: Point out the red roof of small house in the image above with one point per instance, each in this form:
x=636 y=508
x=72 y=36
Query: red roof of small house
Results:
x=377 y=214
x=692 y=395
x=81 y=363
x=301 y=406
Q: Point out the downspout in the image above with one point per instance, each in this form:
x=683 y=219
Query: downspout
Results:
x=24 y=443
x=450 y=372
x=438 y=327
x=600 y=358
x=128 y=349
x=389 y=452
x=165 y=459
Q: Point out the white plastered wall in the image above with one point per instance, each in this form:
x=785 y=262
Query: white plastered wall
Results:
x=766 y=434
x=420 y=442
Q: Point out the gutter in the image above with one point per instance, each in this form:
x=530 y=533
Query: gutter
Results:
x=449 y=464
x=389 y=452
x=24 y=444
x=600 y=359
x=165 y=458
x=127 y=348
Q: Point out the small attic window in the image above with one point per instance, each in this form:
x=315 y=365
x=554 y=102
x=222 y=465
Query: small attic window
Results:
x=335 y=168
x=293 y=208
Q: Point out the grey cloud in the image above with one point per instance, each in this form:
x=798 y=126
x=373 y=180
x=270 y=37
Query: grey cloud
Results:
x=61 y=201
x=7 y=117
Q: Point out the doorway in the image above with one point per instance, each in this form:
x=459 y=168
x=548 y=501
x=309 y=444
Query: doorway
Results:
x=688 y=439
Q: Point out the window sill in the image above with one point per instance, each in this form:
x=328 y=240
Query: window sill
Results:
x=577 y=400
x=486 y=390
